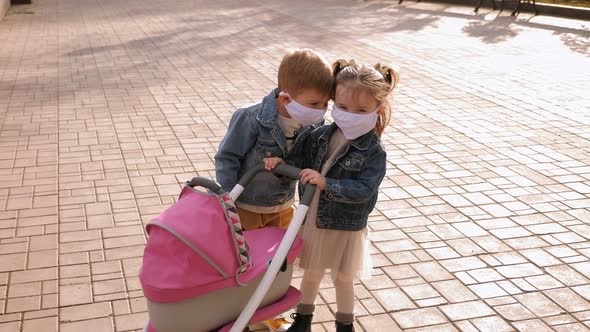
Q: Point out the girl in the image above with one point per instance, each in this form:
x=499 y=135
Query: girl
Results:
x=351 y=164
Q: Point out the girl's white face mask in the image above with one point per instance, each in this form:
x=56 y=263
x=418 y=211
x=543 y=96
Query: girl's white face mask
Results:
x=354 y=125
x=306 y=116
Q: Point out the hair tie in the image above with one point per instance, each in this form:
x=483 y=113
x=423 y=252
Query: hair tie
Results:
x=345 y=63
x=385 y=72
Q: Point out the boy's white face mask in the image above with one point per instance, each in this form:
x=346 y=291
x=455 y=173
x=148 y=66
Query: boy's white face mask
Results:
x=306 y=116
x=354 y=125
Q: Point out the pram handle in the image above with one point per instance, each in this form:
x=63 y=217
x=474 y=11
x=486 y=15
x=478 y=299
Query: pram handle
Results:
x=285 y=170
x=198 y=181
x=285 y=245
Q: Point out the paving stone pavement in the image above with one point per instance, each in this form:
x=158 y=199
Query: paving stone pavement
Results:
x=107 y=107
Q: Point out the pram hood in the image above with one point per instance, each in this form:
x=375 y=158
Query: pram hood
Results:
x=197 y=246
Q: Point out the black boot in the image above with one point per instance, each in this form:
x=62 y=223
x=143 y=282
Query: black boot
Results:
x=344 y=328
x=301 y=323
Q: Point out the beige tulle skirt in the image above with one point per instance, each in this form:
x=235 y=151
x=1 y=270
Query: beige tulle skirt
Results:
x=345 y=252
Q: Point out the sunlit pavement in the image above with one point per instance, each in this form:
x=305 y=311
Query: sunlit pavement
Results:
x=107 y=107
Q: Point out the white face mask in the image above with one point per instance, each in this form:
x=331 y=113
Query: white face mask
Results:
x=354 y=125
x=306 y=116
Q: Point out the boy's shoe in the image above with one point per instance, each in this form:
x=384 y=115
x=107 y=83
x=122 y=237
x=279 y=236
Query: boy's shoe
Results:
x=277 y=324
x=301 y=323
x=344 y=328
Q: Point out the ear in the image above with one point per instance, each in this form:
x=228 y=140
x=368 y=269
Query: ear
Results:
x=284 y=99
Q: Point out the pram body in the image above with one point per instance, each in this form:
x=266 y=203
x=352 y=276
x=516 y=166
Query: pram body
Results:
x=201 y=272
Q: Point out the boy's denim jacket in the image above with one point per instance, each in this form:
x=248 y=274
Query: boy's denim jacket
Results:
x=352 y=182
x=253 y=134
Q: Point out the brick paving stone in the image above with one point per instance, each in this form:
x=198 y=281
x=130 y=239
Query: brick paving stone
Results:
x=543 y=282
x=98 y=325
x=532 y=325
x=75 y=294
x=393 y=299
x=566 y=275
x=485 y=275
x=539 y=304
x=435 y=328
x=48 y=324
x=85 y=312
x=487 y=290
x=131 y=322
x=583 y=268
x=466 y=310
x=577 y=327
x=20 y=290
x=421 y=291
x=559 y=319
x=419 y=317
x=431 y=271
x=491 y=324
x=462 y=264
x=519 y=270
x=568 y=299
x=514 y=312
x=540 y=257
x=454 y=291
x=10 y=327
x=500 y=300
x=379 y=323
x=21 y=304
x=583 y=290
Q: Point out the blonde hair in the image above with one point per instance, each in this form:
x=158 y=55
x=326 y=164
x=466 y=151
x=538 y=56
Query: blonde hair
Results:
x=305 y=69
x=378 y=80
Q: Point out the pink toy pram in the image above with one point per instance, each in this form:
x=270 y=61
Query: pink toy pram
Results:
x=202 y=273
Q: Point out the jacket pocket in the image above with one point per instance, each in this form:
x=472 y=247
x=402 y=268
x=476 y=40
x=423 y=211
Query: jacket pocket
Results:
x=352 y=162
x=267 y=149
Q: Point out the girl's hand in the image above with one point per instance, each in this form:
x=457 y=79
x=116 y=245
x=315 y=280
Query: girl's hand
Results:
x=313 y=177
x=272 y=162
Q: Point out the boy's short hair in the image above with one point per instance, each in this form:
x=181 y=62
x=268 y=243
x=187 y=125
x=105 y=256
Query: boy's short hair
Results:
x=305 y=69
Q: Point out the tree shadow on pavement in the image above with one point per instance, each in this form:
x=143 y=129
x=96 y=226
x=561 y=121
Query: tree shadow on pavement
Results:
x=492 y=32
x=576 y=42
x=503 y=28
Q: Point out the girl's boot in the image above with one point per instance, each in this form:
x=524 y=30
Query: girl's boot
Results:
x=301 y=323
x=344 y=327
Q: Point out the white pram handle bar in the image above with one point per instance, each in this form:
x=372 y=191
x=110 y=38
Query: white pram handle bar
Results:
x=283 y=250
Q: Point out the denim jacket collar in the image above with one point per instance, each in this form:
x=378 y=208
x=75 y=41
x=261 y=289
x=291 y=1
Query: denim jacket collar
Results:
x=360 y=143
x=268 y=110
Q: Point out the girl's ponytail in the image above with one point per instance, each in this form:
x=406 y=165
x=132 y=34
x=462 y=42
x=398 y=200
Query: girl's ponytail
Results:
x=341 y=64
x=390 y=76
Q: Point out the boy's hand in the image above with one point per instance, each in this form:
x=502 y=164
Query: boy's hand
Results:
x=313 y=177
x=272 y=162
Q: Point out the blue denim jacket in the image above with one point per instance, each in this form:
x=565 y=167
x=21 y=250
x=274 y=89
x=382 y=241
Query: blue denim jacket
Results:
x=253 y=134
x=353 y=181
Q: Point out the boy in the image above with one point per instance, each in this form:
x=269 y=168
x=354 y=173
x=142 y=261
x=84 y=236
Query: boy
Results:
x=272 y=128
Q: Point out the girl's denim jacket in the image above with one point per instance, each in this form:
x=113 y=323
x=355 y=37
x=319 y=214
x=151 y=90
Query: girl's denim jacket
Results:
x=352 y=182
x=253 y=134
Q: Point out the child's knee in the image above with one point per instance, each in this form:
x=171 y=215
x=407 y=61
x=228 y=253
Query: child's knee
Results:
x=313 y=275
x=342 y=279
